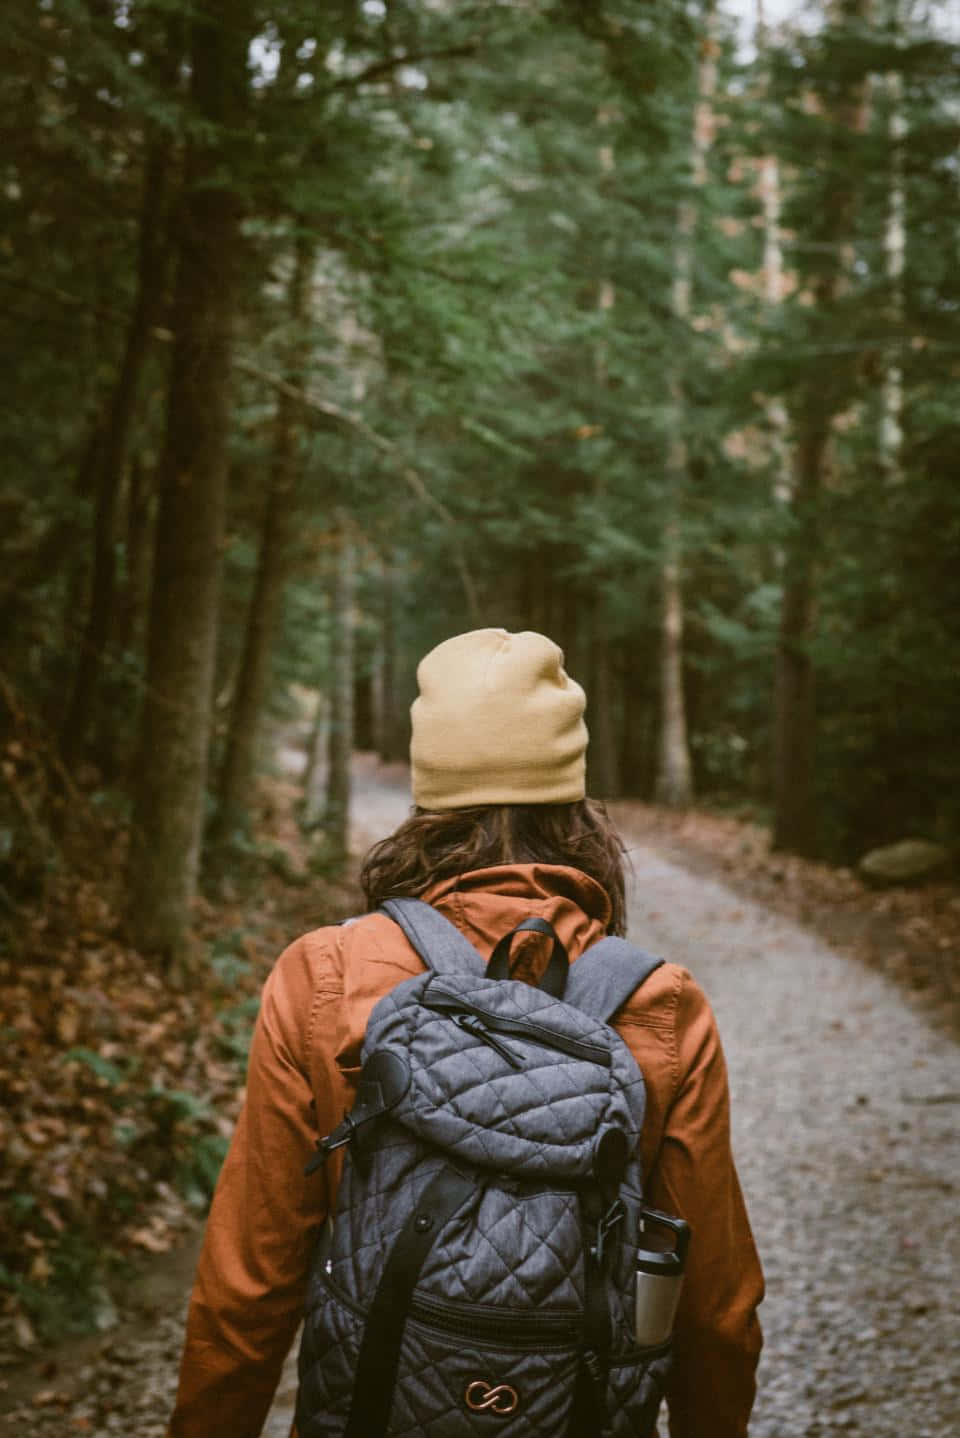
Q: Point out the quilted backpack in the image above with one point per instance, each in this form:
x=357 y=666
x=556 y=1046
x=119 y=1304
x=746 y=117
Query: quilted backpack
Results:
x=478 y=1277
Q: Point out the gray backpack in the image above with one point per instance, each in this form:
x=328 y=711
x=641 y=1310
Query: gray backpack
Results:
x=478 y=1277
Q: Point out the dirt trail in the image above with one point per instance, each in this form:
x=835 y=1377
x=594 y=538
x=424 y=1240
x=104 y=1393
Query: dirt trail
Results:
x=845 y=1106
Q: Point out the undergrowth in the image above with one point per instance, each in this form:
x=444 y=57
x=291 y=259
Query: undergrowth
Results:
x=120 y=1084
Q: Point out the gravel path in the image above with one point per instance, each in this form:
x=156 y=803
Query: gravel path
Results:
x=845 y=1107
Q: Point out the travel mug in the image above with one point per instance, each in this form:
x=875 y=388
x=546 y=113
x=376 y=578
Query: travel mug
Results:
x=659 y=1276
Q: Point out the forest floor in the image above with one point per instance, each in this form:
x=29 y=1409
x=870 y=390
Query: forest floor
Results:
x=844 y=1101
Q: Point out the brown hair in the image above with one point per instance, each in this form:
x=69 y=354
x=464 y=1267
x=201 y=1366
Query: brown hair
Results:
x=438 y=844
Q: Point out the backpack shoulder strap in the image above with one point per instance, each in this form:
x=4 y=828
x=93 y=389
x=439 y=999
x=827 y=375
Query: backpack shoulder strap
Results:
x=439 y=943
x=606 y=975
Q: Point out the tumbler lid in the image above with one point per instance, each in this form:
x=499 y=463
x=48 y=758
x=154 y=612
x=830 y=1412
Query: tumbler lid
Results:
x=659 y=1265
x=679 y=1231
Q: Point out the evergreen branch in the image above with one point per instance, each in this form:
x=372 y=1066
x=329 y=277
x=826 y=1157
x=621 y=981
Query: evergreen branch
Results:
x=393 y=62
x=339 y=418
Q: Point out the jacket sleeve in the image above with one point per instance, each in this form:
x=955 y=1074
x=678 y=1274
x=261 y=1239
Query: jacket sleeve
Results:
x=249 y=1290
x=717 y=1339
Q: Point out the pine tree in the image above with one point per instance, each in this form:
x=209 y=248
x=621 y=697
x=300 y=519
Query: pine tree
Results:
x=171 y=791
x=840 y=104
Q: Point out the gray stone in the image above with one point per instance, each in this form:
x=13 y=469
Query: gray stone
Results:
x=910 y=862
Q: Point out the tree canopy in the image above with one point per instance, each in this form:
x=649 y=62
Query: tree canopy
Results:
x=570 y=317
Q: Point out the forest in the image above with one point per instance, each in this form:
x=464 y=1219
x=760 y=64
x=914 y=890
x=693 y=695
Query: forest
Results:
x=333 y=330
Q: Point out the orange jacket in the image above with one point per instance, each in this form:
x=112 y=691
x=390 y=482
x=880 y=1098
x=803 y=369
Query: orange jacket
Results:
x=249 y=1291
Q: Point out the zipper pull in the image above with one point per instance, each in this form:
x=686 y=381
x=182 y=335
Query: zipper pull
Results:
x=478 y=1030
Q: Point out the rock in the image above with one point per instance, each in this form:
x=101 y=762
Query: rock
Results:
x=912 y=861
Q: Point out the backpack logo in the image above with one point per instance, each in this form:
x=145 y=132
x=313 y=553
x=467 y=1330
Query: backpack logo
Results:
x=481 y=1397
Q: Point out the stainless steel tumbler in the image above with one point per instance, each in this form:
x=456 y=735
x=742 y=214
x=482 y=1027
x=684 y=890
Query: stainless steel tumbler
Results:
x=659 y=1276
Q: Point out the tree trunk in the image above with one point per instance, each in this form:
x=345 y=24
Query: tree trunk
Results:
x=895 y=248
x=639 y=728
x=236 y=781
x=674 y=780
x=570 y=627
x=390 y=739
x=777 y=418
x=76 y=587
x=794 y=738
x=336 y=813
x=794 y=710
x=139 y=531
x=602 y=755
x=239 y=759
x=148 y=306
x=171 y=795
x=536 y=590
x=769 y=184
x=115 y=736
x=364 y=712
x=316 y=750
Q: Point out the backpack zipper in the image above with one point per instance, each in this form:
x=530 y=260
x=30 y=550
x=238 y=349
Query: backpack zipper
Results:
x=479 y=1029
x=464 y=1320
x=467 y=1321
x=453 y=1006
x=538 y=1330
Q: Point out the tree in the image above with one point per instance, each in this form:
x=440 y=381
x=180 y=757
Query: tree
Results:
x=894 y=247
x=335 y=820
x=554 y=343
x=237 y=773
x=114 y=446
x=171 y=789
x=841 y=110
x=674 y=781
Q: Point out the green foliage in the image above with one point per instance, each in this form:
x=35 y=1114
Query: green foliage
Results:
x=493 y=196
x=111 y=1073
x=489 y=375
x=74 y=1298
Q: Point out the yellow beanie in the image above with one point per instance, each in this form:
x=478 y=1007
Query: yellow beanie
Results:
x=497 y=721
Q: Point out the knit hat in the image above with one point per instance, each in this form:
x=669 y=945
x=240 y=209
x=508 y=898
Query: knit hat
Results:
x=497 y=721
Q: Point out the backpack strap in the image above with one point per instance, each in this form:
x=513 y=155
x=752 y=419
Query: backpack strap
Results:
x=439 y=943
x=375 y=1375
x=606 y=975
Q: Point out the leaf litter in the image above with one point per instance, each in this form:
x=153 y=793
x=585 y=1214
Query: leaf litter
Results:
x=120 y=1085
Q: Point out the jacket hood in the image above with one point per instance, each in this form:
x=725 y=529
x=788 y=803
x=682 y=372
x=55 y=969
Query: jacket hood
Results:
x=485 y=904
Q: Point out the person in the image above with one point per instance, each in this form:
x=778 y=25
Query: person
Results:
x=502 y=830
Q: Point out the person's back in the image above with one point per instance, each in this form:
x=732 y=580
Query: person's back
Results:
x=503 y=833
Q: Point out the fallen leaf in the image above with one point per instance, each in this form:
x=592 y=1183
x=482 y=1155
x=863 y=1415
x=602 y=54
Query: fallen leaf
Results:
x=40 y=1269
x=154 y=1242
x=68 y=1026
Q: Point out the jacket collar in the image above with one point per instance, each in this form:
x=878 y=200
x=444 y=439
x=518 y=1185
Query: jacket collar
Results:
x=485 y=904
